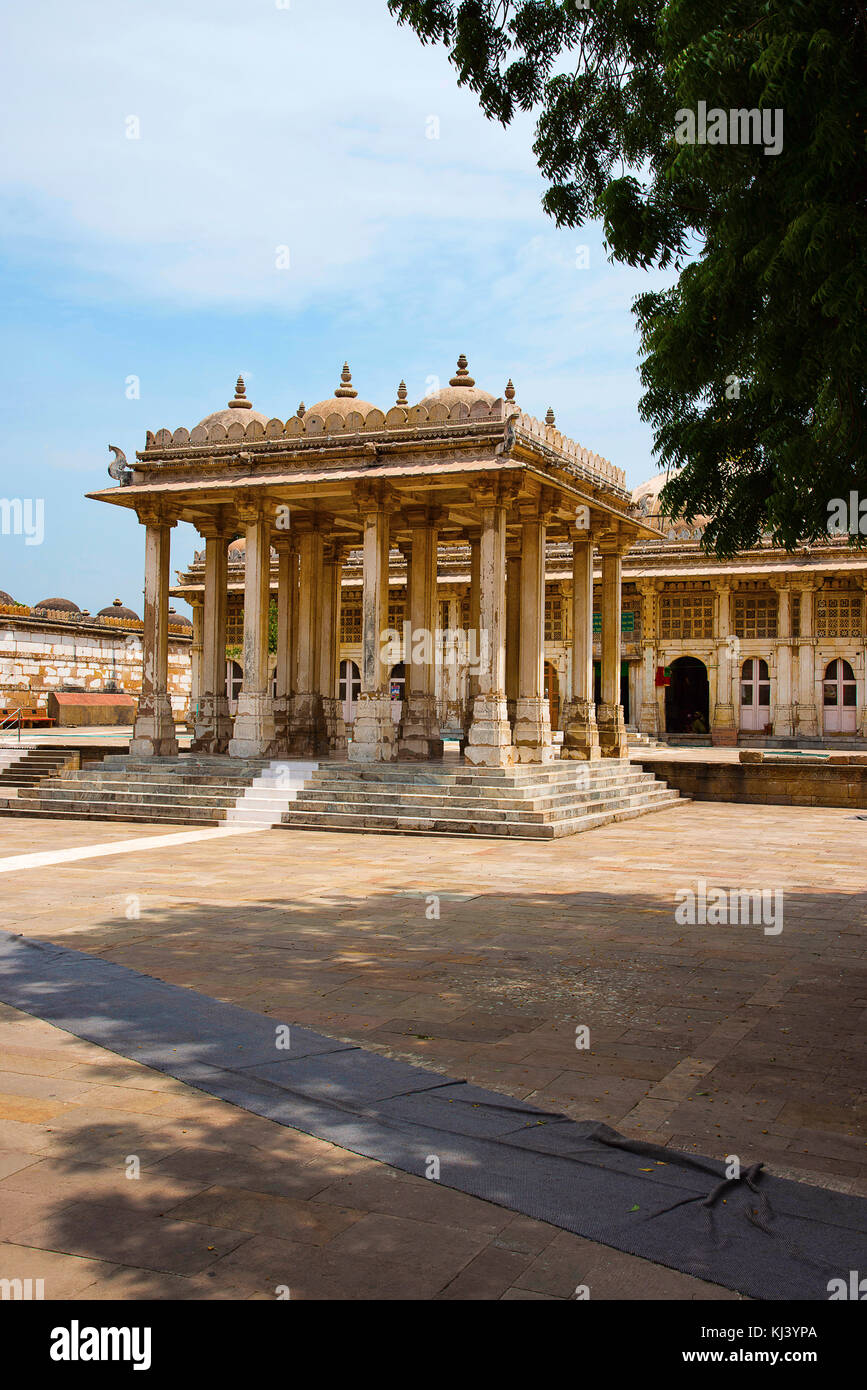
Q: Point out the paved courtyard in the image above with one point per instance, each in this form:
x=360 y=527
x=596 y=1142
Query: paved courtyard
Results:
x=477 y=958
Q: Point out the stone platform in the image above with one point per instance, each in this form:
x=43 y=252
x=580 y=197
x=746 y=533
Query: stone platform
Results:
x=447 y=797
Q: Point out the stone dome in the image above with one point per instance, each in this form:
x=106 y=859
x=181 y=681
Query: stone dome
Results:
x=57 y=605
x=344 y=400
x=7 y=598
x=117 y=610
x=461 y=387
x=178 y=619
x=239 y=411
x=646 y=498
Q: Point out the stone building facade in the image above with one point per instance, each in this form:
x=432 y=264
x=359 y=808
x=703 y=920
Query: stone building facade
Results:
x=55 y=647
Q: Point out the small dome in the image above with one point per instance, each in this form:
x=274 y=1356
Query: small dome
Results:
x=646 y=498
x=178 y=619
x=7 y=599
x=342 y=402
x=57 y=605
x=117 y=610
x=239 y=411
x=461 y=387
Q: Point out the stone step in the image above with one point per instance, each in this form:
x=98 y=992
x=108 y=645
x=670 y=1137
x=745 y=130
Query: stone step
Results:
x=533 y=812
x=432 y=800
x=71 y=795
x=477 y=825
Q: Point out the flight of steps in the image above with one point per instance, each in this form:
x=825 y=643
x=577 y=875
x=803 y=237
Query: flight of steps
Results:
x=28 y=765
x=187 y=790
x=560 y=798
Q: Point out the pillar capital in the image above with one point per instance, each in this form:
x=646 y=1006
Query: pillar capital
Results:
x=154 y=514
x=375 y=495
x=249 y=507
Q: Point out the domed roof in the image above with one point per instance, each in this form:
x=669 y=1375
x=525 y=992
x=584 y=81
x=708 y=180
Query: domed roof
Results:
x=239 y=411
x=646 y=497
x=461 y=387
x=178 y=619
x=117 y=610
x=57 y=605
x=344 y=400
x=7 y=598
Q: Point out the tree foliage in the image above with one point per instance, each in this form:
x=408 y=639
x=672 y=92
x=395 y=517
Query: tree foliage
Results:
x=753 y=363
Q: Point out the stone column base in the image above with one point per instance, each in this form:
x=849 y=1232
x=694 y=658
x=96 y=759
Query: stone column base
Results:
x=532 y=731
x=490 y=740
x=213 y=728
x=784 y=721
x=374 y=733
x=306 y=725
x=254 y=734
x=807 y=723
x=580 y=733
x=419 y=737
x=154 y=733
x=613 y=739
x=648 y=719
x=334 y=728
x=724 y=738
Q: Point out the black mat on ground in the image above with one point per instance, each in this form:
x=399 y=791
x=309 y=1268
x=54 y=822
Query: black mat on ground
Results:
x=761 y=1235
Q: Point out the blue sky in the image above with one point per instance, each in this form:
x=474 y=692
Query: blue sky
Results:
x=264 y=125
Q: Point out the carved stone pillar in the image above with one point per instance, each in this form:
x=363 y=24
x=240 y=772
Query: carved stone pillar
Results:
x=254 y=734
x=808 y=725
x=648 y=718
x=419 y=737
x=723 y=716
x=374 y=733
x=783 y=714
x=213 y=721
x=334 y=729
x=490 y=740
x=513 y=627
x=307 y=734
x=473 y=636
x=613 y=741
x=287 y=605
x=154 y=731
x=580 y=733
x=532 y=735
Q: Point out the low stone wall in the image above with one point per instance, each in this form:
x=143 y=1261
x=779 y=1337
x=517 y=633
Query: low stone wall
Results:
x=776 y=782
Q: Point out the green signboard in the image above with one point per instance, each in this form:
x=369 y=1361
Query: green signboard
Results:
x=627 y=622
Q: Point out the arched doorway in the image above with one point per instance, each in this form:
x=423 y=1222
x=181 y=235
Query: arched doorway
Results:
x=396 y=688
x=234 y=681
x=687 y=698
x=552 y=694
x=349 y=690
x=840 y=698
x=755 y=695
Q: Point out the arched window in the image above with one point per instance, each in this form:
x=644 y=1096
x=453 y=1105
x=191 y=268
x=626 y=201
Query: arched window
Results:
x=234 y=680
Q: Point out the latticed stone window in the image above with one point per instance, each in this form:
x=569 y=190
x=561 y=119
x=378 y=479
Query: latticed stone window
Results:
x=235 y=622
x=396 y=615
x=796 y=615
x=755 y=615
x=553 y=617
x=630 y=619
x=838 y=615
x=444 y=614
x=686 y=615
x=350 y=622
x=465 y=614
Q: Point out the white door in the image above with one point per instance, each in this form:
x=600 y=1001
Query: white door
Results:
x=755 y=695
x=839 y=698
x=234 y=680
x=349 y=690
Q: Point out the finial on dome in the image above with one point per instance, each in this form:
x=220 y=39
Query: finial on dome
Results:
x=301 y=410
x=240 y=402
x=401 y=394
x=346 y=387
x=510 y=390
x=462 y=377
x=117 y=603
x=549 y=418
